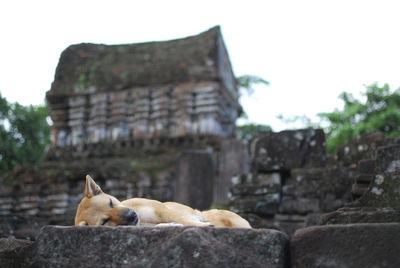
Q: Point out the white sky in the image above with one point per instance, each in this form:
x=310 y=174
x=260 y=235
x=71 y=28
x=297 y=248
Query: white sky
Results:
x=310 y=51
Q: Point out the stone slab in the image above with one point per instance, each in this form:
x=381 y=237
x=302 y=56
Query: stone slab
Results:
x=361 y=215
x=161 y=247
x=347 y=246
x=16 y=253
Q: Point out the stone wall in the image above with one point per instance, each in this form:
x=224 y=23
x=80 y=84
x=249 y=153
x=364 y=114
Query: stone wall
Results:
x=32 y=197
x=49 y=194
x=137 y=114
x=292 y=181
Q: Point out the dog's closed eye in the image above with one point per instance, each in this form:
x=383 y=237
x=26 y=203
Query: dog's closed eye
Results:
x=105 y=221
x=111 y=203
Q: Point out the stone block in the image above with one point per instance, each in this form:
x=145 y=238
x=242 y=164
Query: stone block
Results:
x=266 y=205
x=359 y=189
x=161 y=247
x=359 y=148
x=366 y=166
x=273 y=178
x=384 y=190
x=194 y=179
x=232 y=160
x=364 y=178
x=348 y=215
x=299 y=205
x=353 y=245
x=244 y=190
x=330 y=186
x=16 y=253
x=289 y=149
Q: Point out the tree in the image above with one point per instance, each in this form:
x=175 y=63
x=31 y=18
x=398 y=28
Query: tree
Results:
x=246 y=82
x=248 y=132
x=380 y=112
x=24 y=134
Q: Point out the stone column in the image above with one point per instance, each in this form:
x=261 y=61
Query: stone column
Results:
x=194 y=179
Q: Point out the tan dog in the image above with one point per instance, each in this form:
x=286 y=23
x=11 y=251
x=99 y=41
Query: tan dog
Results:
x=98 y=208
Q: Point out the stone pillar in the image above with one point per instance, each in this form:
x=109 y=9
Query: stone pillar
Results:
x=194 y=179
x=232 y=161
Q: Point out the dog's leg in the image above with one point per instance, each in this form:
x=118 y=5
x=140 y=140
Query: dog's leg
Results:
x=169 y=224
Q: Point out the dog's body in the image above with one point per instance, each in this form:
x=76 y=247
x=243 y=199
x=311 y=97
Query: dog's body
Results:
x=98 y=208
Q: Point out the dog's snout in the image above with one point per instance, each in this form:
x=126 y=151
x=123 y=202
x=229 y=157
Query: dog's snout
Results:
x=130 y=217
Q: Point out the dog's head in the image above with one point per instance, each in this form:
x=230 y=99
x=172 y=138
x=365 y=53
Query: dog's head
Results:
x=98 y=208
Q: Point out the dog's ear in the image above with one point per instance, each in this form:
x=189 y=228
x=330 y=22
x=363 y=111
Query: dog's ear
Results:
x=91 y=188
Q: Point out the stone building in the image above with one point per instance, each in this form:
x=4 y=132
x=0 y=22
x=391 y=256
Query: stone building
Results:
x=143 y=93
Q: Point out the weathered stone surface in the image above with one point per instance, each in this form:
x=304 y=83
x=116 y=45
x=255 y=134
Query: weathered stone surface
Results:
x=360 y=215
x=358 y=189
x=266 y=205
x=25 y=227
x=316 y=190
x=363 y=147
x=347 y=246
x=196 y=58
x=16 y=253
x=366 y=166
x=194 y=182
x=244 y=190
x=380 y=199
x=233 y=160
x=359 y=148
x=160 y=247
x=256 y=221
x=299 y=205
x=290 y=149
x=364 y=178
x=384 y=191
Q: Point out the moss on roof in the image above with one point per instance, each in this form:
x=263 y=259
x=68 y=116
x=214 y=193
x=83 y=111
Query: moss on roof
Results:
x=109 y=67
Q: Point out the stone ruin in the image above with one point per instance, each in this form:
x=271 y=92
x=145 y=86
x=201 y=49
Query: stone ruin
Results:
x=292 y=186
x=152 y=120
x=143 y=95
x=293 y=182
x=157 y=120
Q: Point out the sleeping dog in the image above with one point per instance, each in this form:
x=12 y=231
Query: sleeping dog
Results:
x=99 y=208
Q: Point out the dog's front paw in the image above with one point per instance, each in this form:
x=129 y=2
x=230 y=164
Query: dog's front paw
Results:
x=207 y=224
x=169 y=224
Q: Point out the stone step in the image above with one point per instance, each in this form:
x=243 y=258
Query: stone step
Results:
x=353 y=245
x=364 y=178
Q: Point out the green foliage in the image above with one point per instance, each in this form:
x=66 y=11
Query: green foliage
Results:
x=302 y=120
x=24 y=134
x=245 y=83
x=249 y=132
x=380 y=112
